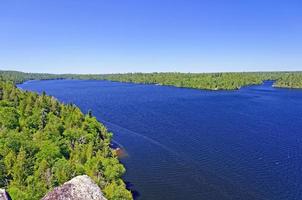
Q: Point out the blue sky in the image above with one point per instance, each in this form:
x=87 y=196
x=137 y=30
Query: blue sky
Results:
x=110 y=36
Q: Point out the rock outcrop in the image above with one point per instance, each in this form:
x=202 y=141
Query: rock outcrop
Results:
x=4 y=195
x=78 y=188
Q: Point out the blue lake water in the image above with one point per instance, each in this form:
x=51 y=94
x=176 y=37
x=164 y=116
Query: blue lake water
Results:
x=194 y=144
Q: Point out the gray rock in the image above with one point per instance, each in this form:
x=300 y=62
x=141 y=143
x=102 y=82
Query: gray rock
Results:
x=78 y=188
x=4 y=195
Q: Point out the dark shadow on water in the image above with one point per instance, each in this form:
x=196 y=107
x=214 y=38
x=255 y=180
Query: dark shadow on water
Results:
x=134 y=192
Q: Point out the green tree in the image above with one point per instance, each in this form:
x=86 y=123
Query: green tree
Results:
x=9 y=117
x=117 y=191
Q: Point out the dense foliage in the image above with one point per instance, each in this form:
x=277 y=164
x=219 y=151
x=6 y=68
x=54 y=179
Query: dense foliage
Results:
x=44 y=143
x=210 y=81
x=19 y=77
x=290 y=80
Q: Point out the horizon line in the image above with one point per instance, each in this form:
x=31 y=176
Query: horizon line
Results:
x=140 y=72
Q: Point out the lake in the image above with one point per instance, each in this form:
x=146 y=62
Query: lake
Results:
x=196 y=144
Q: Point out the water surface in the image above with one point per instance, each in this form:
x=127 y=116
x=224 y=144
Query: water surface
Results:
x=195 y=144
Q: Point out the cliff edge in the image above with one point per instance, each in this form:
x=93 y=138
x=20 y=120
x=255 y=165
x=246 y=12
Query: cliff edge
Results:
x=4 y=195
x=78 y=188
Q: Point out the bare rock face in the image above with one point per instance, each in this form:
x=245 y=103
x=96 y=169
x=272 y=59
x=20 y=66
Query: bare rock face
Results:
x=4 y=195
x=78 y=188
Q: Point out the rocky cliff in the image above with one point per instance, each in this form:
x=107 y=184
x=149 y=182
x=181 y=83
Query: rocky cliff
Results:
x=78 y=188
x=4 y=195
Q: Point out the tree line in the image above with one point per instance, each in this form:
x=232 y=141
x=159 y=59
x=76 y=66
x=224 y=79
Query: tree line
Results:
x=210 y=81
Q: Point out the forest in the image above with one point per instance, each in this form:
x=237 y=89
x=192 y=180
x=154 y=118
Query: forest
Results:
x=44 y=143
x=212 y=81
x=209 y=81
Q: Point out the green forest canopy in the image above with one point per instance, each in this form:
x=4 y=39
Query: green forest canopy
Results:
x=44 y=143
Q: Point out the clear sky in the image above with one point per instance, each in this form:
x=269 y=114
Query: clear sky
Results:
x=110 y=36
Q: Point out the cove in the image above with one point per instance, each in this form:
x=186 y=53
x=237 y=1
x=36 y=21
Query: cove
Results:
x=195 y=144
